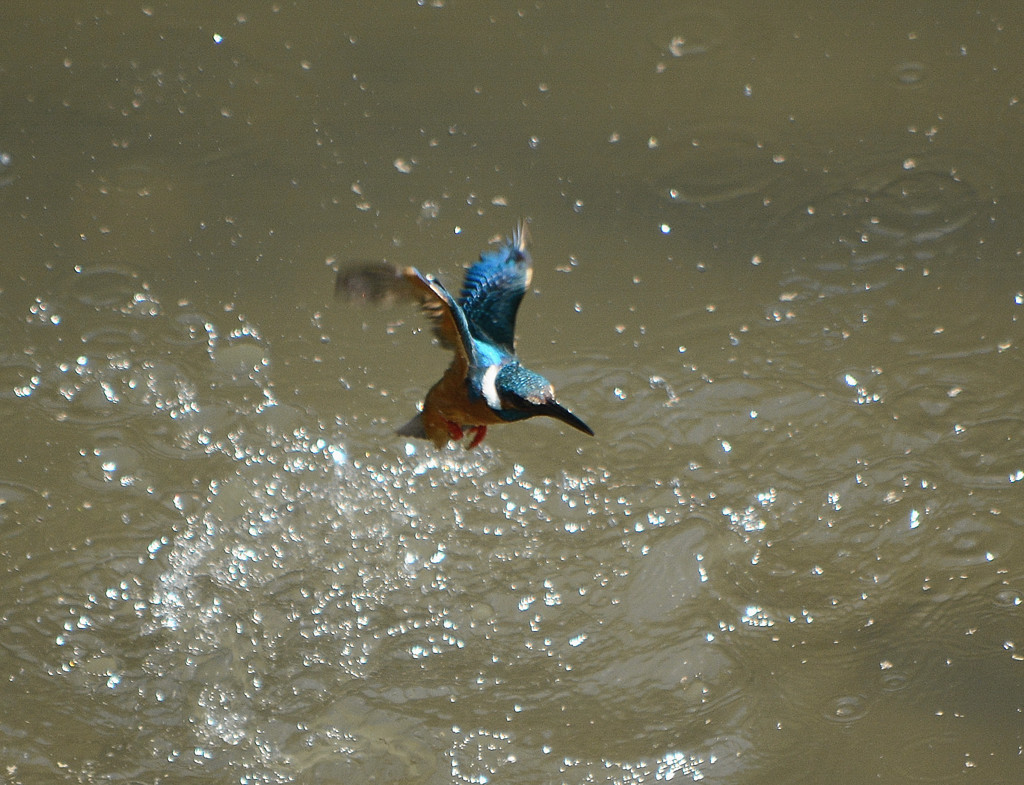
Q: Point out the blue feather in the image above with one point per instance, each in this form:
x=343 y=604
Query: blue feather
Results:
x=493 y=289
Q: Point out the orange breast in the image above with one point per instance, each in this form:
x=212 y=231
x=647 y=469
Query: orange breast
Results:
x=449 y=399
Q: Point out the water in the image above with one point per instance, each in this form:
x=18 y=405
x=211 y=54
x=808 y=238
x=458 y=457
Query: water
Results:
x=778 y=271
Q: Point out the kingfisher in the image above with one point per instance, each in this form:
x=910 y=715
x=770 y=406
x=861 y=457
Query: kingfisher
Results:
x=486 y=384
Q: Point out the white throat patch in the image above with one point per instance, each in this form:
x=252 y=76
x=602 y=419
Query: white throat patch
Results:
x=490 y=388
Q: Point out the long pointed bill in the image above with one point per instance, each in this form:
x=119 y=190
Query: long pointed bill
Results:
x=559 y=412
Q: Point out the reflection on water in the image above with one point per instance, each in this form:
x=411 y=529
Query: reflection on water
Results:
x=792 y=554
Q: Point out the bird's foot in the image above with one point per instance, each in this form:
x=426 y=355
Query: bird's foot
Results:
x=479 y=432
x=454 y=430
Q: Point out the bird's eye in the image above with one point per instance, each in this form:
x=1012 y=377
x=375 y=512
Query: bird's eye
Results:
x=510 y=400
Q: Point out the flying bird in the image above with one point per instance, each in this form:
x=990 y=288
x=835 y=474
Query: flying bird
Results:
x=486 y=384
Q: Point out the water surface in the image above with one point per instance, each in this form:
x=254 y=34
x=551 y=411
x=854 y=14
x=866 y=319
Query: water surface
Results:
x=778 y=271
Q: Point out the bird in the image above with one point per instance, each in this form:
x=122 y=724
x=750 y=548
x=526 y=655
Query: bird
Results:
x=486 y=383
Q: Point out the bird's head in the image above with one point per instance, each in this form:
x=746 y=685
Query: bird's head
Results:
x=522 y=393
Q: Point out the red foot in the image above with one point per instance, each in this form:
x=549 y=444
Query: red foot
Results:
x=479 y=432
x=454 y=430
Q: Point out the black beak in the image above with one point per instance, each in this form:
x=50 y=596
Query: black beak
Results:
x=559 y=412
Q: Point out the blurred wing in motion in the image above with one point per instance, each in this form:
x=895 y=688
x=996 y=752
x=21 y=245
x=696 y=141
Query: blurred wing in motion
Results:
x=384 y=283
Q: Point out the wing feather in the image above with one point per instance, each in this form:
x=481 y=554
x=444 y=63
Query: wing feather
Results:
x=494 y=287
x=449 y=320
x=382 y=282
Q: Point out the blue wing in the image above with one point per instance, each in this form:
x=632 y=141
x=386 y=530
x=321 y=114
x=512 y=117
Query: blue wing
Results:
x=493 y=289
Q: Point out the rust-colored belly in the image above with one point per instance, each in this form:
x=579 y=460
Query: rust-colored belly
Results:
x=448 y=402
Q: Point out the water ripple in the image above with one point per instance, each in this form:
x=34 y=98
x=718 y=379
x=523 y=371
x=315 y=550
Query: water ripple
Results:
x=910 y=74
x=710 y=165
x=902 y=211
x=687 y=33
x=19 y=376
x=111 y=287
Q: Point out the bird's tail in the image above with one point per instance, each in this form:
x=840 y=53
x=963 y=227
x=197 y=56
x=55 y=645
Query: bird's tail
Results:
x=414 y=428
